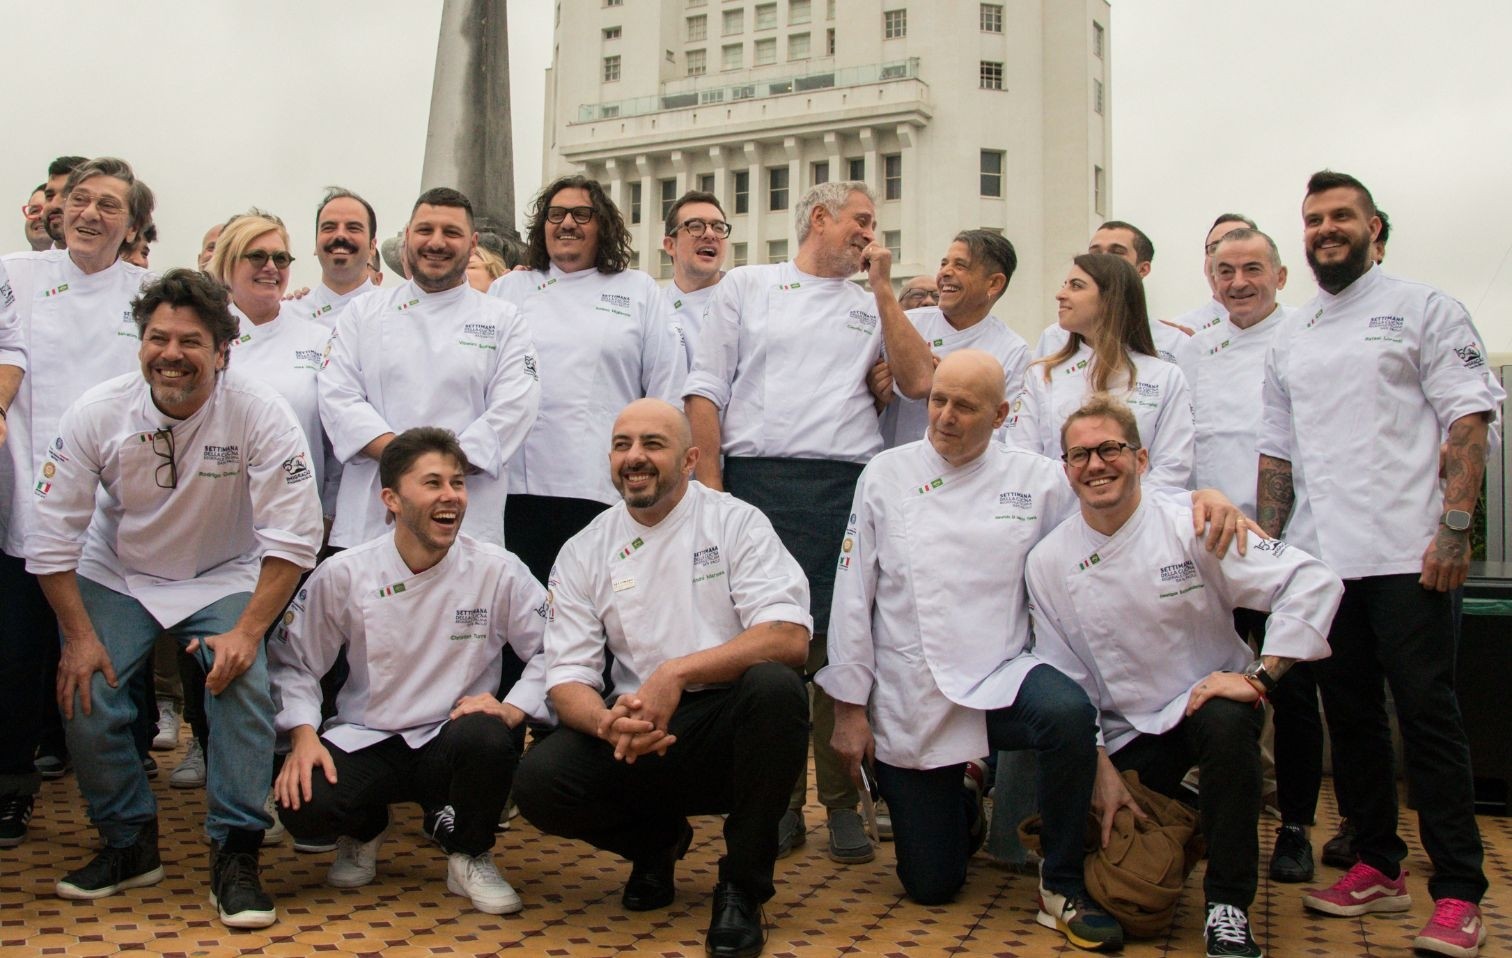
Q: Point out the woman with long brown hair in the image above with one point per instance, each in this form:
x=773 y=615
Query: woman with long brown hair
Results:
x=1110 y=350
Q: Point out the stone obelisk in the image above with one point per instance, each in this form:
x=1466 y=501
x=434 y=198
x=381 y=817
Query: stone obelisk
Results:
x=467 y=142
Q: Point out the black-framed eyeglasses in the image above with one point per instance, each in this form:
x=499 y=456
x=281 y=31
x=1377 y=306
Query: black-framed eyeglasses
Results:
x=923 y=295
x=1079 y=456
x=259 y=258
x=697 y=227
x=162 y=447
x=580 y=214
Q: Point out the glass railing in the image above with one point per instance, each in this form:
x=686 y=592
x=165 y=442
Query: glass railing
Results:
x=702 y=95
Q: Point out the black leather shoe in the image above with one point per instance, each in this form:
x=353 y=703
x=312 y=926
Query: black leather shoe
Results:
x=1292 y=859
x=653 y=882
x=1339 y=851
x=738 y=928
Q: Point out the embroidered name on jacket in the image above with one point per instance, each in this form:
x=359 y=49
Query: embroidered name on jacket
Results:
x=1178 y=571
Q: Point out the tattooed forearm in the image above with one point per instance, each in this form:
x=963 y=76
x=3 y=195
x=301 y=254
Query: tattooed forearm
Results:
x=1464 y=463
x=1275 y=496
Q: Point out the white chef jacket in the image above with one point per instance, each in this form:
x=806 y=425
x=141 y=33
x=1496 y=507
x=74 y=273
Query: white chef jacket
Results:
x=784 y=356
x=1160 y=400
x=930 y=621
x=1139 y=618
x=323 y=305
x=1224 y=366
x=416 y=643
x=604 y=341
x=707 y=572
x=286 y=353
x=403 y=357
x=1167 y=339
x=78 y=332
x=906 y=420
x=1359 y=390
x=687 y=311
x=1209 y=314
x=246 y=492
x=12 y=343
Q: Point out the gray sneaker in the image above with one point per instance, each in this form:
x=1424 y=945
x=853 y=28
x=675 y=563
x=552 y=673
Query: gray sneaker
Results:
x=190 y=773
x=848 y=843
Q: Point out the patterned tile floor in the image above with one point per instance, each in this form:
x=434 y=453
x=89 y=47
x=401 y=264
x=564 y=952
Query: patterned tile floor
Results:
x=572 y=901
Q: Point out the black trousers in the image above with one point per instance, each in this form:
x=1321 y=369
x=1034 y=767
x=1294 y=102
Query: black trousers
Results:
x=1223 y=740
x=28 y=673
x=1299 y=730
x=738 y=750
x=469 y=765
x=536 y=527
x=1390 y=627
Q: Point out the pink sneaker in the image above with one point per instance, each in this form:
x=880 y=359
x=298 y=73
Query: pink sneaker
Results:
x=1362 y=890
x=1455 y=929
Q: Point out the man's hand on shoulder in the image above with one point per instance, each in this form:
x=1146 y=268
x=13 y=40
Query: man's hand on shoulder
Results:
x=1219 y=522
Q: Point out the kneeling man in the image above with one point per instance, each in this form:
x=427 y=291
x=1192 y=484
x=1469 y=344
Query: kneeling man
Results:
x=1127 y=603
x=707 y=617
x=424 y=614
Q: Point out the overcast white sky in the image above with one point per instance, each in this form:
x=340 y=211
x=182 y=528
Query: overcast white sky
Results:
x=1216 y=105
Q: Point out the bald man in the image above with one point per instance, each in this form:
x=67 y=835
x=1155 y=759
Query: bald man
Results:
x=913 y=580
x=919 y=291
x=707 y=617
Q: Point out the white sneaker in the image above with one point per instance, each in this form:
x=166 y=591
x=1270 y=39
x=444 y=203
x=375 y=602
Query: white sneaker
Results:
x=356 y=862
x=511 y=810
x=277 y=832
x=167 y=727
x=476 y=877
x=190 y=773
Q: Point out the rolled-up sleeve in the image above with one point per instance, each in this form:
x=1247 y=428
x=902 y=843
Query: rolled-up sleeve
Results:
x=65 y=502
x=12 y=343
x=574 y=641
x=286 y=513
x=717 y=355
x=305 y=646
x=766 y=582
x=349 y=419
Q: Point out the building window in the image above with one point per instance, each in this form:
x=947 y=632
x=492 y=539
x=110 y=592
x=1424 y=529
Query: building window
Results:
x=1097 y=95
x=990 y=75
x=992 y=18
x=992 y=172
x=893 y=240
x=734 y=22
x=829 y=42
x=635 y=203
x=818 y=172
x=1097 y=39
x=611 y=68
x=766 y=16
x=664 y=266
x=635 y=259
x=892 y=176
x=668 y=196
x=695 y=3
x=894 y=24
x=766 y=51
x=777 y=188
x=777 y=251
x=829 y=9
x=738 y=254
x=855 y=168
x=698 y=63
x=614 y=3
x=731 y=56
x=799 y=11
x=698 y=28
x=798 y=46
x=743 y=192
x=706 y=182
x=1099 y=191
x=611 y=33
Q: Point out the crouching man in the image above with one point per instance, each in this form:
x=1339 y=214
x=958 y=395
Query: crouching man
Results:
x=1127 y=603
x=707 y=617
x=423 y=613
x=179 y=498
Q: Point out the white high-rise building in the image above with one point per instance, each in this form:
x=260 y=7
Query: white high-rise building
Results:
x=957 y=114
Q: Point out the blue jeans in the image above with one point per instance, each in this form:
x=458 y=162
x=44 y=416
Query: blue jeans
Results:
x=239 y=771
x=932 y=819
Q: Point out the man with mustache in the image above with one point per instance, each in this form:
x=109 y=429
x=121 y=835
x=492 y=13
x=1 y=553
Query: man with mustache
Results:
x=345 y=231
x=1351 y=473
x=779 y=389
x=58 y=172
x=73 y=307
x=182 y=499
x=706 y=615
x=430 y=351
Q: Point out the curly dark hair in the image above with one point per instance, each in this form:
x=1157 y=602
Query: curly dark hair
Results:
x=191 y=289
x=614 y=251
